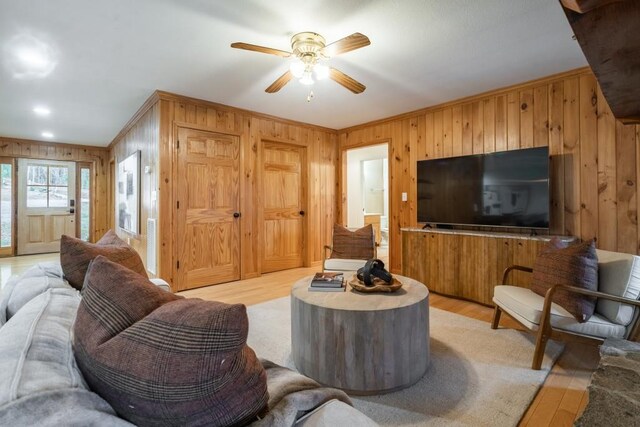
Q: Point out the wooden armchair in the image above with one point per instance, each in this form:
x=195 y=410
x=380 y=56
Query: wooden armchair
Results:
x=350 y=249
x=615 y=316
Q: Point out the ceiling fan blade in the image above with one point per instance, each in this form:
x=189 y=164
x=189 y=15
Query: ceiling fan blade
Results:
x=347 y=44
x=261 y=49
x=346 y=81
x=279 y=83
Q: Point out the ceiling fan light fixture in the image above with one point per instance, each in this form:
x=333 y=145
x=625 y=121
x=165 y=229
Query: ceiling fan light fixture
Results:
x=307 y=79
x=321 y=71
x=297 y=68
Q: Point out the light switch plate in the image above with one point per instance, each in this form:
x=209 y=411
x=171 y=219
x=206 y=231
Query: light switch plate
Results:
x=404 y=197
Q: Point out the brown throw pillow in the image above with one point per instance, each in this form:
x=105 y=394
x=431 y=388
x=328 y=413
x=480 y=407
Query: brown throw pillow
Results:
x=161 y=359
x=575 y=265
x=76 y=254
x=347 y=244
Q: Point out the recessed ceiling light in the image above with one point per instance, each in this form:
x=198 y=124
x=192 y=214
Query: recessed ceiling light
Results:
x=46 y=134
x=41 y=111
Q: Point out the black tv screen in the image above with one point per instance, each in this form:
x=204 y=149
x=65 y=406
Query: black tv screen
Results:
x=503 y=189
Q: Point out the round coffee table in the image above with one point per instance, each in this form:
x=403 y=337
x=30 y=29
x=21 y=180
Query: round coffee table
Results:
x=361 y=343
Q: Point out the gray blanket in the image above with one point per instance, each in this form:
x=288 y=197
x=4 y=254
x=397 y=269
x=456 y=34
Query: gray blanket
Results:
x=292 y=395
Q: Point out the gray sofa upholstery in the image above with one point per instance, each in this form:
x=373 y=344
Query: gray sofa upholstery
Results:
x=40 y=383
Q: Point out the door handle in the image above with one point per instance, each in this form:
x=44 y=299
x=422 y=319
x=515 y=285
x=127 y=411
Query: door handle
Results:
x=301 y=213
x=72 y=210
x=236 y=214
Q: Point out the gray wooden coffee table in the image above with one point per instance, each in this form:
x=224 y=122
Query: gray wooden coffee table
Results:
x=361 y=343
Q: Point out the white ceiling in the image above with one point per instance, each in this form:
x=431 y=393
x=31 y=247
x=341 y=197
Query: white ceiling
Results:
x=111 y=55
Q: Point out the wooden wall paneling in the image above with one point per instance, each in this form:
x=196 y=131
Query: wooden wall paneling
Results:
x=143 y=136
x=341 y=211
x=447 y=132
x=540 y=116
x=606 y=175
x=477 y=109
x=395 y=190
x=249 y=141
x=556 y=156
x=411 y=151
x=438 y=127
x=588 y=158
x=166 y=152
x=626 y=188
x=559 y=113
x=526 y=118
x=429 y=138
x=572 y=169
x=456 y=139
x=489 y=125
x=467 y=129
x=513 y=120
x=501 y=123
x=314 y=204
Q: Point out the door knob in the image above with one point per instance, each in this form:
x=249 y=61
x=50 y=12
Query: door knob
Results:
x=236 y=214
x=301 y=213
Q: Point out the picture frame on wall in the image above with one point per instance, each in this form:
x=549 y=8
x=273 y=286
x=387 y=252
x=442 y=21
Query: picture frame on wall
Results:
x=128 y=195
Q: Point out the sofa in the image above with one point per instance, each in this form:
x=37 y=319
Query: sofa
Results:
x=41 y=384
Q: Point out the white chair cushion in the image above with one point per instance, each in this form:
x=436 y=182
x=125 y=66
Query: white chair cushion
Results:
x=340 y=264
x=526 y=307
x=618 y=274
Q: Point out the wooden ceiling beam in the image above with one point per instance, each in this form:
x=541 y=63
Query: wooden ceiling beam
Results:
x=609 y=36
x=584 y=6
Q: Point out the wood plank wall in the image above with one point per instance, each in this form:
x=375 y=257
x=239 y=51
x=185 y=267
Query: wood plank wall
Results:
x=22 y=148
x=152 y=130
x=253 y=129
x=595 y=159
x=143 y=135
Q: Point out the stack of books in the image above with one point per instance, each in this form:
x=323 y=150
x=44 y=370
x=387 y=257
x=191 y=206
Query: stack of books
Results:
x=327 y=282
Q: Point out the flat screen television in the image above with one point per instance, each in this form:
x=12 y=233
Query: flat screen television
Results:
x=503 y=189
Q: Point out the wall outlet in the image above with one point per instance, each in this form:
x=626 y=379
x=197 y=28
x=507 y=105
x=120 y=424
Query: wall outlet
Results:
x=404 y=197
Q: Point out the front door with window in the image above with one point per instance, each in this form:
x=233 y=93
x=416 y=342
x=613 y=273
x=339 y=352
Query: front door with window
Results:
x=46 y=204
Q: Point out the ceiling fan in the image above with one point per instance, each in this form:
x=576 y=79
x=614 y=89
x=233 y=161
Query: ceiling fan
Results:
x=308 y=49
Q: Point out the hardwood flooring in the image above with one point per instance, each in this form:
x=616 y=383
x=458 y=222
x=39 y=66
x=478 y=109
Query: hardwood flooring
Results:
x=560 y=400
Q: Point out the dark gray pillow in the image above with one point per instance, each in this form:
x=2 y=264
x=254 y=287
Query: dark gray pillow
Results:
x=161 y=359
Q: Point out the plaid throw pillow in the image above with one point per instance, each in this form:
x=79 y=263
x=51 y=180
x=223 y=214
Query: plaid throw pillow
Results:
x=161 y=359
x=76 y=254
x=575 y=265
x=347 y=244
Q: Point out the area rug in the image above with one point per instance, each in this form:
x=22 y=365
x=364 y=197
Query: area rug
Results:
x=477 y=376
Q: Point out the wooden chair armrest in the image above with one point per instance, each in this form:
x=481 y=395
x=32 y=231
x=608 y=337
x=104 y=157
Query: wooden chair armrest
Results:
x=514 y=267
x=545 y=318
x=327 y=248
x=597 y=294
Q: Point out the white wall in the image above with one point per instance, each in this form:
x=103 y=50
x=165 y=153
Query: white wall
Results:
x=355 y=157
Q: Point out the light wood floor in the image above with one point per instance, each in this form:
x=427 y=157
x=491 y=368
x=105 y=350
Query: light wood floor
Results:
x=560 y=400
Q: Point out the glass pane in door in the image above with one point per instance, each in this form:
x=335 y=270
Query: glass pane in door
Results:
x=6 y=208
x=36 y=196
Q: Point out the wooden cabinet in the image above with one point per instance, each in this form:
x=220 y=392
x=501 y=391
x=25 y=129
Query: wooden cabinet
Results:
x=467 y=264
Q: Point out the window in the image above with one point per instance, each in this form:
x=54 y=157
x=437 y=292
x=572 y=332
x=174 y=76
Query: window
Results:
x=6 y=208
x=47 y=186
x=85 y=193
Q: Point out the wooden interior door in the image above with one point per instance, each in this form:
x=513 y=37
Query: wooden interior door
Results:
x=46 y=204
x=207 y=209
x=284 y=187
